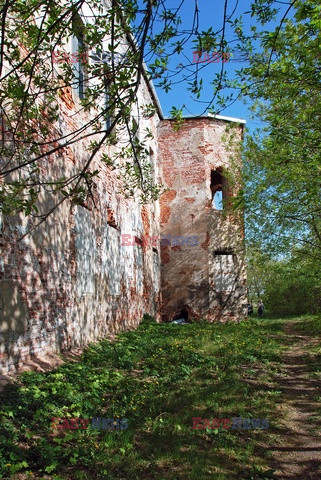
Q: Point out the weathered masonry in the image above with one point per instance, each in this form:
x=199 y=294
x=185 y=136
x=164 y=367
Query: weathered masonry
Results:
x=72 y=280
x=206 y=279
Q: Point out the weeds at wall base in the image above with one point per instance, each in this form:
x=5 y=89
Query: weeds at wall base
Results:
x=158 y=377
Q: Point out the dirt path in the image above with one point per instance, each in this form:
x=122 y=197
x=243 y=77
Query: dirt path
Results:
x=297 y=453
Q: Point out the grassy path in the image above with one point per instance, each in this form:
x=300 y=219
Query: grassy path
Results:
x=155 y=380
x=297 y=453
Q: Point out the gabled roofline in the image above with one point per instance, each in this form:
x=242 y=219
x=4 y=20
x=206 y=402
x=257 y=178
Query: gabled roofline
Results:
x=152 y=91
x=148 y=81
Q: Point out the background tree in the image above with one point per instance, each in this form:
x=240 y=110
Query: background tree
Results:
x=258 y=267
x=282 y=159
x=289 y=286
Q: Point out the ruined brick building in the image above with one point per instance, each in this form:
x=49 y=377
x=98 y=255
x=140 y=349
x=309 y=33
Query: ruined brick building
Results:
x=207 y=280
x=73 y=280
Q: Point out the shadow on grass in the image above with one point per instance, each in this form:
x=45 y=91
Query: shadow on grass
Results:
x=158 y=377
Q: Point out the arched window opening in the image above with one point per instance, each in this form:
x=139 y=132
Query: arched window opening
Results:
x=218 y=188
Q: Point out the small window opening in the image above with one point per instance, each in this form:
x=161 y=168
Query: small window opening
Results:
x=80 y=67
x=217 y=189
x=80 y=56
x=182 y=314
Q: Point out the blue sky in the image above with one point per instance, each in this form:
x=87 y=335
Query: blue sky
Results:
x=210 y=15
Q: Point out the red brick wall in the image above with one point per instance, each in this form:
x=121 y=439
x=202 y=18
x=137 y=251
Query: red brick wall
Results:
x=187 y=157
x=70 y=281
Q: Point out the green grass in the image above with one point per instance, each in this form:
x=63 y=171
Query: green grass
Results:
x=158 y=377
x=309 y=324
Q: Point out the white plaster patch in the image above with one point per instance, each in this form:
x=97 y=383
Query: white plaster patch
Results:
x=224 y=273
x=85 y=243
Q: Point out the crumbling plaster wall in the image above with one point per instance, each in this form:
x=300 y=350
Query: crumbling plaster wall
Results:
x=71 y=281
x=198 y=279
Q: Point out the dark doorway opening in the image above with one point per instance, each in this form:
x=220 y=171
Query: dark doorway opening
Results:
x=182 y=314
